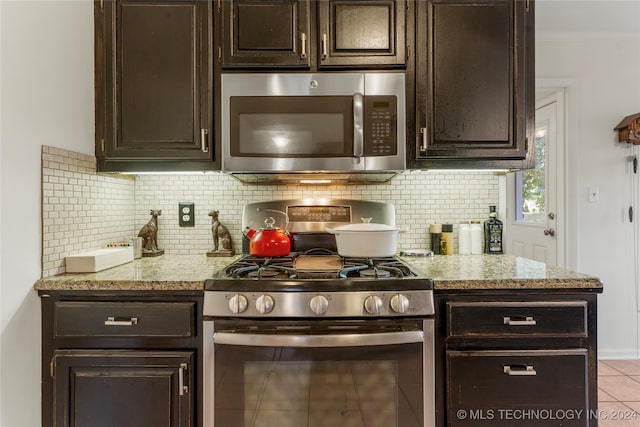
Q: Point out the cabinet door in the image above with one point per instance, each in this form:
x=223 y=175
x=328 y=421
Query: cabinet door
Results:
x=265 y=33
x=523 y=388
x=153 y=89
x=474 y=79
x=361 y=32
x=103 y=388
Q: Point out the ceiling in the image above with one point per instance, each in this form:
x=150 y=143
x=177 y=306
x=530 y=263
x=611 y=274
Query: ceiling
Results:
x=573 y=16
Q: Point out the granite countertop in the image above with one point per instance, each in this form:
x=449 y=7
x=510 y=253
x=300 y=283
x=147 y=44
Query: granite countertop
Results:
x=497 y=272
x=166 y=272
x=188 y=272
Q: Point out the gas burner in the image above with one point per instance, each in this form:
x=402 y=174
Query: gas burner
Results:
x=374 y=272
x=258 y=267
x=396 y=268
x=269 y=273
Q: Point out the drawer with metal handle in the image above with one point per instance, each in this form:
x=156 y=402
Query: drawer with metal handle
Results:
x=509 y=319
x=534 y=384
x=124 y=319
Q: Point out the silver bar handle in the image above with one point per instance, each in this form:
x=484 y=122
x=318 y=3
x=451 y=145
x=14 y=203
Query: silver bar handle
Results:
x=324 y=47
x=112 y=321
x=306 y=341
x=358 y=123
x=303 y=47
x=520 y=370
x=183 y=388
x=423 y=146
x=527 y=321
x=204 y=140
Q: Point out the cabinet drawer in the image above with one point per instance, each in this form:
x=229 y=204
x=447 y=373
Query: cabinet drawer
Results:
x=523 y=388
x=491 y=319
x=124 y=319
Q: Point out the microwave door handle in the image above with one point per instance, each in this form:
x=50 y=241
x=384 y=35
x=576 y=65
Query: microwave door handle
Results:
x=358 y=131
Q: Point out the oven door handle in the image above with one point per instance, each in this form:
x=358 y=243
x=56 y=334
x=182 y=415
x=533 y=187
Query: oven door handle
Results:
x=334 y=340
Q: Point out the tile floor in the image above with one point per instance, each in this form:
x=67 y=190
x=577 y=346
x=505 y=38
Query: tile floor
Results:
x=619 y=393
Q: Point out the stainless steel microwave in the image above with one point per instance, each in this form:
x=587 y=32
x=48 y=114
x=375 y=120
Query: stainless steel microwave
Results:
x=310 y=123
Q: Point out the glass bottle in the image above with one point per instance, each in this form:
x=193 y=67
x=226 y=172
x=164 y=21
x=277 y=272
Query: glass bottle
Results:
x=493 y=233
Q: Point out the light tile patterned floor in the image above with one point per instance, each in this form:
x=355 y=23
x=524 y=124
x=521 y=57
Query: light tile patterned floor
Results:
x=619 y=393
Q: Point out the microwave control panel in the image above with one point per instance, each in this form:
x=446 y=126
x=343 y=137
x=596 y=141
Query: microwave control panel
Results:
x=380 y=125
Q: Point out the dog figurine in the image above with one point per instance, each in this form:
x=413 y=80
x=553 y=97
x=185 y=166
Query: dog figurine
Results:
x=149 y=233
x=221 y=237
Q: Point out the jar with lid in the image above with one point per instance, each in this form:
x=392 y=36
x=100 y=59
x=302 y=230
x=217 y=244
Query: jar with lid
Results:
x=435 y=230
x=476 y=231
x=464 y=239
x=446 y=242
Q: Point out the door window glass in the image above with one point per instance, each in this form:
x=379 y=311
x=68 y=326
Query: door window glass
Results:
x=531 y=184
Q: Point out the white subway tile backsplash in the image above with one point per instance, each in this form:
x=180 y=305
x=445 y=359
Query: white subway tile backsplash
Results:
x=82 y=210
x=420 y=198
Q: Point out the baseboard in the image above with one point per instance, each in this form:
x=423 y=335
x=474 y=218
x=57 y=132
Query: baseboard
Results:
x=604 y=354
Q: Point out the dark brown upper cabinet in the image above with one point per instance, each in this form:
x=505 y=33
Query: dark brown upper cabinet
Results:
x=153 y=85
x=265 y=33
x=309 y=34
x=475 y=83
x=361 y=32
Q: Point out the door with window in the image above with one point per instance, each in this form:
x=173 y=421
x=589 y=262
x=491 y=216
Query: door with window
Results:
x=535 y=197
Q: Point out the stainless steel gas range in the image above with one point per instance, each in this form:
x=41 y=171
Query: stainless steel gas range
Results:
x=315 y=339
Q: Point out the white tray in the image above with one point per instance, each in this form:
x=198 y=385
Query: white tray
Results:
x=101 y=259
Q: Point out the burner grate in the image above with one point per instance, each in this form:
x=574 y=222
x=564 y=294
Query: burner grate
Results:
x=258 y=268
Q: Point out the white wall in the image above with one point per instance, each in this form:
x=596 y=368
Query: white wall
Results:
x=602 y=71
x=46 y=98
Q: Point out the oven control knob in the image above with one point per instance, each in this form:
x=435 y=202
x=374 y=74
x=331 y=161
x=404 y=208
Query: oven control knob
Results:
x=373 y=305
x=399 y=303
x=264 y=304
x=319 y=304
x=237 y=303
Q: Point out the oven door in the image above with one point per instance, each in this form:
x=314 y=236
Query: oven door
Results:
x=292 y=122
x=281 y=374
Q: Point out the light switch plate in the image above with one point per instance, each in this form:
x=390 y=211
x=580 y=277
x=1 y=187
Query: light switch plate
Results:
x=186 y=214
x=594 y=194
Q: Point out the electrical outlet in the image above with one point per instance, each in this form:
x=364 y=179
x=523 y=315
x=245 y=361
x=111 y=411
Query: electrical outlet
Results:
x=186 y=214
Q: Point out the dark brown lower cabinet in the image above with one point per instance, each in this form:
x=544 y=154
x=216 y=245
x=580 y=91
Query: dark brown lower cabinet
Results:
x=507 y=358
x=122 y=358
x=524 y=388
x=103 y=388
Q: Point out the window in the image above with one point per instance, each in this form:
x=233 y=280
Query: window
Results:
x=531 y=184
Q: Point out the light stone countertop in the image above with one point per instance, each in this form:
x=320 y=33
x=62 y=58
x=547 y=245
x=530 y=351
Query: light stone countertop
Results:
x=451 y=272
x=165 y=272
x=498 y=272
